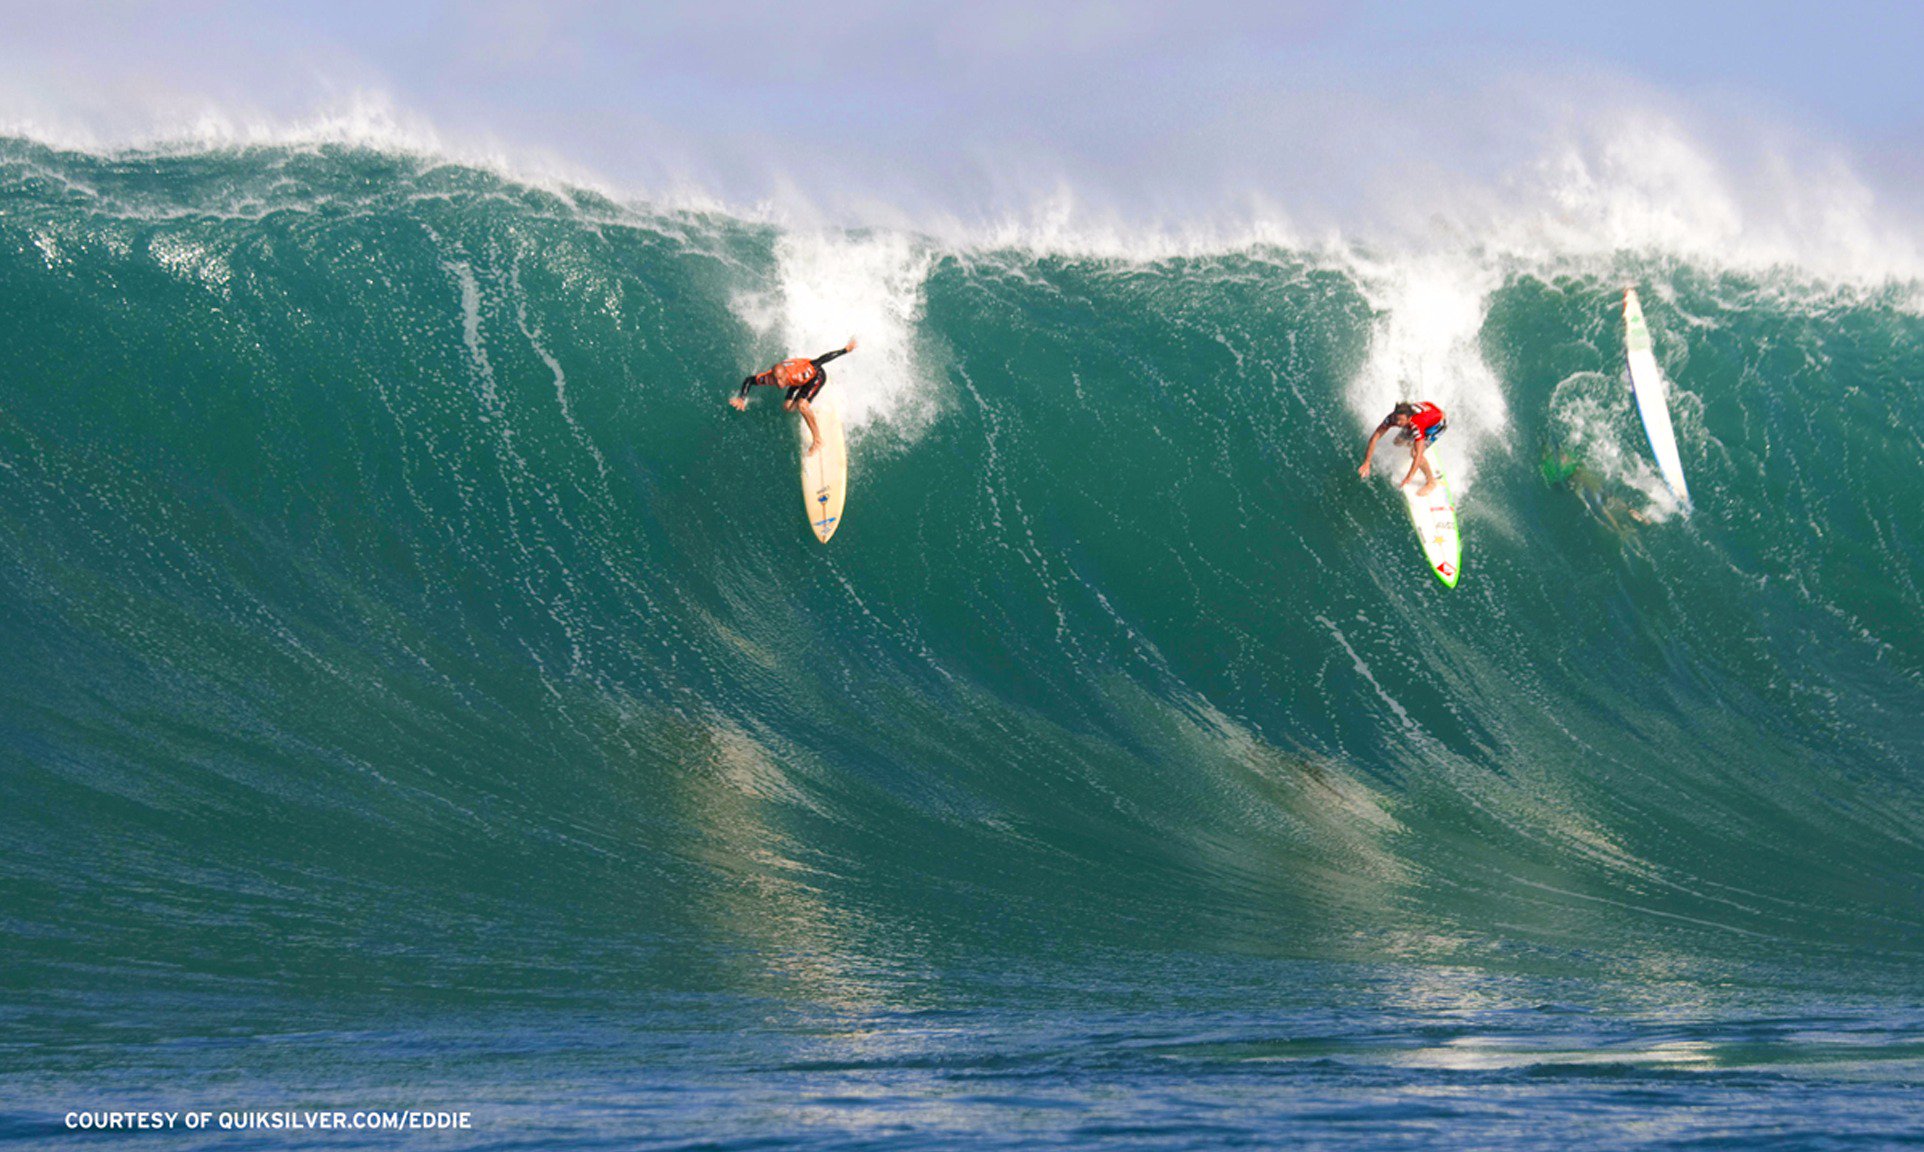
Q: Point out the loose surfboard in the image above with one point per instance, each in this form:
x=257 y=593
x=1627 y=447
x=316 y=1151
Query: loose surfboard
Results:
x=825 y=474
x=1435 y=519
x=1646 y=383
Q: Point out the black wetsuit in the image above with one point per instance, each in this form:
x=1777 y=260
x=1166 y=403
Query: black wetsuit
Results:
x=799 y=391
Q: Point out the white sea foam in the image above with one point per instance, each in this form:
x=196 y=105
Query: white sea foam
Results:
x=369 y=119
x=833 y=285
x=1425 y=345
x=1626 y=178
x=1639 y=182
x=190 y=261
x=1595 y=421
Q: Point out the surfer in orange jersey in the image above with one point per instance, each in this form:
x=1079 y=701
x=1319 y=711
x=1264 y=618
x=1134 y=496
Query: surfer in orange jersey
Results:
x=1421 y=424
x=803 y=378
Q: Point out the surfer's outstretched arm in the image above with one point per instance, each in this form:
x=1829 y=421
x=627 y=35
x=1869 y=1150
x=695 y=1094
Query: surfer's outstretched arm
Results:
x=1369 y=453
x=843 y=351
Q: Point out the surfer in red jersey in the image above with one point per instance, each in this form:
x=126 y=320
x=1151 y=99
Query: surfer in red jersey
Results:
x=1421 y=424
x=803 y=378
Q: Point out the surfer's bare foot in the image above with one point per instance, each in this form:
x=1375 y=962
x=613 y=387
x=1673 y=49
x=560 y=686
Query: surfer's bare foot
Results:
x=814 y=447
x=1426 y=489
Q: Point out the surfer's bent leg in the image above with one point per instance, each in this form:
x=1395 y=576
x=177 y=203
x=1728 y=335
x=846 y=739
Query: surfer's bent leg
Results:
x=1417 y=444
x=797 y=401
x=814 y=430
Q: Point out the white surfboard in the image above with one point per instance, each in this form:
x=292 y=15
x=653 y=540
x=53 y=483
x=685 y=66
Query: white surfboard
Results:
x=1647 y=384
x=1435 y=519
x=825 y=474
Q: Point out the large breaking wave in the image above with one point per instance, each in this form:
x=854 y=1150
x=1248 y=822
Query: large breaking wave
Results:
x=384 y=584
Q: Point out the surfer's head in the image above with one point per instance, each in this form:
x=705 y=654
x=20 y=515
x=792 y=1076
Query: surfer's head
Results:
x=1400 y=415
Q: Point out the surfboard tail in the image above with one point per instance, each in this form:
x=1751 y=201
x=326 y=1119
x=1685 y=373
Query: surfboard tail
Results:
x=825 y=474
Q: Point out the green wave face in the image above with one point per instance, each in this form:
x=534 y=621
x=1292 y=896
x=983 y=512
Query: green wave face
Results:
x=389 y=601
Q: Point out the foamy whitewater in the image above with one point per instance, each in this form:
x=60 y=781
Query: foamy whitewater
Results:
x=423 y=693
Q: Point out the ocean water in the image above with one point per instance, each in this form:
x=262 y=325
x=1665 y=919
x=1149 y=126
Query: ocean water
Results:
x=418 y=690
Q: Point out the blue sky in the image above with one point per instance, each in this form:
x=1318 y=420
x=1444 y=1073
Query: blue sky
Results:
x=1166 y=103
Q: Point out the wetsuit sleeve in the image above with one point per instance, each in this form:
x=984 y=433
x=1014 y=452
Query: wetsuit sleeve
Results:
x=827 y=356
x=747 y=383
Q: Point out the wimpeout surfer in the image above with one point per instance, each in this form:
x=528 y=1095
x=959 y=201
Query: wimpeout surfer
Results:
x=1562 y=468
x=1421 y=423
x=803 y=378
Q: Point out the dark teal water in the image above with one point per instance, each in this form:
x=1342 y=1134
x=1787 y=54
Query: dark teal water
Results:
x=418 y=690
